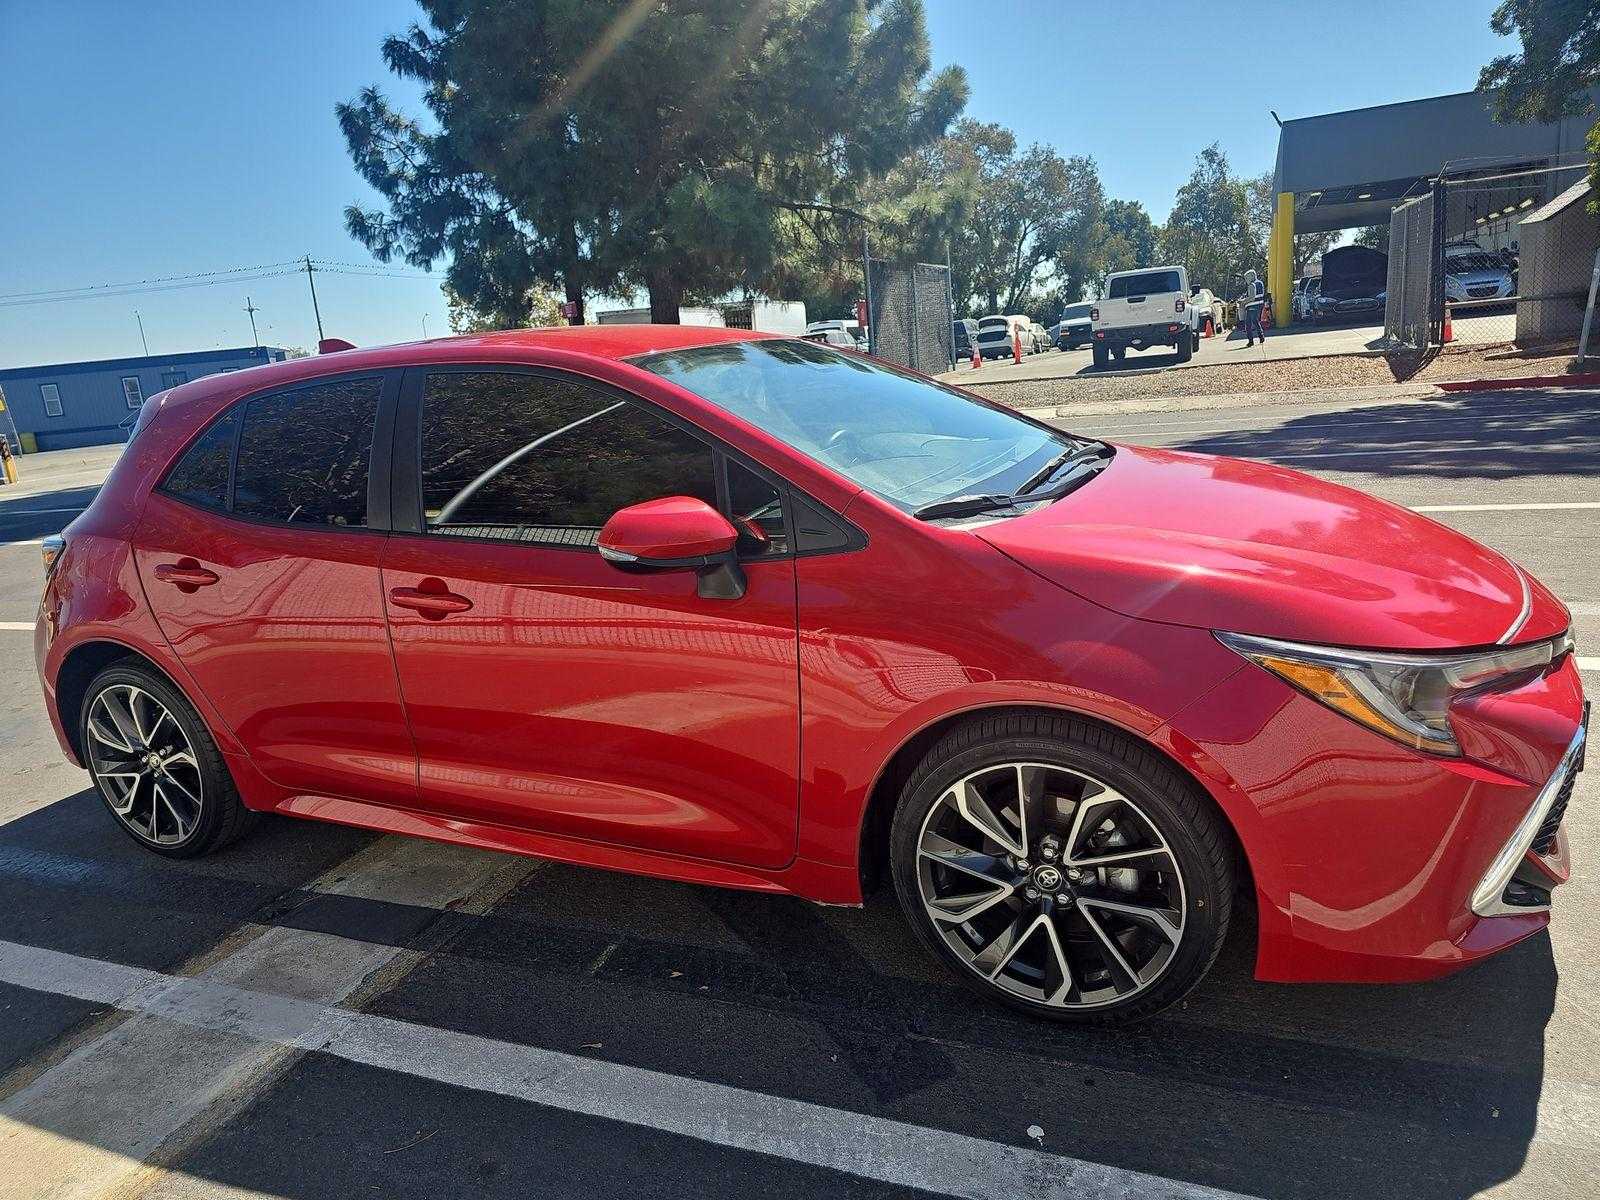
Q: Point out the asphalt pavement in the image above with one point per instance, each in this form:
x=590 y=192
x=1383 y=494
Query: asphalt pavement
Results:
x=323 y=1012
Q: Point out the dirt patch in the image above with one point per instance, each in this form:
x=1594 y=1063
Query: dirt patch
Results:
x=1281 y=375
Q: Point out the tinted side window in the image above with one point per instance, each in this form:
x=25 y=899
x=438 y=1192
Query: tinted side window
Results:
x=532 y=458
x=201 y=475
x=303 y=454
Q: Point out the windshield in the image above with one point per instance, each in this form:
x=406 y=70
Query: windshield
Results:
x=909 y=440
x=1076 y=312
x=1475 y=261
x=1148 y=284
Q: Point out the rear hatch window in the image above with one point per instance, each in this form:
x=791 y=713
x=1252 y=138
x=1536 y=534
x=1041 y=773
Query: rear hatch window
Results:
x=1148 y=284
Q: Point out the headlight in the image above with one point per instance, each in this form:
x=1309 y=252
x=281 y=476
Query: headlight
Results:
x=1406 y=697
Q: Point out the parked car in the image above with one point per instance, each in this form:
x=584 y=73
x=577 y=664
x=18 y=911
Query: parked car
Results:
x=762 y=614
x=1205 y=312
x=1471 y=273
x=1352 y=279
x=995 y=334
x=1040 y=337
x=1303 y=300
x=833 y=337
x=965 y=333
x=851 y=327
x=1140 y=309
x=1076 y=327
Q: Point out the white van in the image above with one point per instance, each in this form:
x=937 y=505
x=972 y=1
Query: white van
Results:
x=995 y=334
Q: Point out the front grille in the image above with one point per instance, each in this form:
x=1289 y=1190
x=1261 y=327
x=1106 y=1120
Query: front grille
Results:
x=1545 y=840
x=1482 y=293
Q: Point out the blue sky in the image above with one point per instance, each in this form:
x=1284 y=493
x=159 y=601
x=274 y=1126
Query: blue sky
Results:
x=164 y=138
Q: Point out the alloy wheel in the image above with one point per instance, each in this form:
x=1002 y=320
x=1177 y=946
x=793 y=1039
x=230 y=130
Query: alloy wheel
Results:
x=144 y=764
x=1051 y=885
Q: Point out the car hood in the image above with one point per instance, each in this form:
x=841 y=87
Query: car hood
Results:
x=1224 y=543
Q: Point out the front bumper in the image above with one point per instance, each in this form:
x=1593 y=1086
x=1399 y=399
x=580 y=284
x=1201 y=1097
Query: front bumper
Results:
x=1506 y=888
x=1376 y=863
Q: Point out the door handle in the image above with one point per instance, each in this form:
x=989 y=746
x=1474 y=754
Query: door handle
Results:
x=429 y=602
x=186 y=575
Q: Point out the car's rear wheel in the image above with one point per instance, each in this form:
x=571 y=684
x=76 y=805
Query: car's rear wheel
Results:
x=1062 y=868
x=156 y=766
x=1100 y=356
x=1185 y=347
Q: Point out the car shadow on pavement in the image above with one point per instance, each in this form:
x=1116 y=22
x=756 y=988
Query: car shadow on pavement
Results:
x=23 y=518
x=1529 y=432
x=1133 y=361
x=1305 y=1091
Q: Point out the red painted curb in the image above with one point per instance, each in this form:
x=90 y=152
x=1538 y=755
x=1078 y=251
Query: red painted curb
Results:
x=1588 y=379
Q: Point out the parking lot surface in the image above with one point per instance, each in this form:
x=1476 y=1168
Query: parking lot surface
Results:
x=321 y=1011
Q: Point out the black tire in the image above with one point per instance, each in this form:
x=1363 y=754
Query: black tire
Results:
x=1119 y=353
x=1197 y=842
x=221 y=816
x=1185 y=347
x=1100 y=357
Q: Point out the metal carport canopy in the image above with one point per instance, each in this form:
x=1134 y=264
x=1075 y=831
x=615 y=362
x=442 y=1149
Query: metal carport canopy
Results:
x=1356 y=165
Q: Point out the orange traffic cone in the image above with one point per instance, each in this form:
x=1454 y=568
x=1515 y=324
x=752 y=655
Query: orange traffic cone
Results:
x=977 y=359
x=1016 y=346
x=1449 y=333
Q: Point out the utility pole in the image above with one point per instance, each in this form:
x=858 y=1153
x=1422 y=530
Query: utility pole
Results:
x=252 y=310
x=142 y=341
x=314 y=307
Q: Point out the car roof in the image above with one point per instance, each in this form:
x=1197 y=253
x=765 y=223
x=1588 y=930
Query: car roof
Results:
x=611 y=342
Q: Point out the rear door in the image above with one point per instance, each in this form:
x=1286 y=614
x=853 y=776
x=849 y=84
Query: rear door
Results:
x=259 y=554
x=552 y=691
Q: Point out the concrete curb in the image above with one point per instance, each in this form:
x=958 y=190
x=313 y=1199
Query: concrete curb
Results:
x=1586 y=379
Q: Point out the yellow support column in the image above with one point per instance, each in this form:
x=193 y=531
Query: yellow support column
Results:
x=1280 y=258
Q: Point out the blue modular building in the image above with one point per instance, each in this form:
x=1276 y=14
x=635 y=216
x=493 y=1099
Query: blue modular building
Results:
x=92 y=403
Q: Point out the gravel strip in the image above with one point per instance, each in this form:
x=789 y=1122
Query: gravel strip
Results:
x=1277 y=376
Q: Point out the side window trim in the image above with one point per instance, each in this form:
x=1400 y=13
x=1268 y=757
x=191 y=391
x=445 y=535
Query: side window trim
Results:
x=379 y=463
x=406 y=457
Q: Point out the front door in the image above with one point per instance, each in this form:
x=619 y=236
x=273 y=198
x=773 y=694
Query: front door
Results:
x=549 y=690
x=260 y=561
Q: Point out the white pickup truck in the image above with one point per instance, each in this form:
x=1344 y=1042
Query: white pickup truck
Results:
x=1140 y=309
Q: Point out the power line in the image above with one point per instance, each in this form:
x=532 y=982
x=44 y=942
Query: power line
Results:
x=173 y=283
x=89 y=287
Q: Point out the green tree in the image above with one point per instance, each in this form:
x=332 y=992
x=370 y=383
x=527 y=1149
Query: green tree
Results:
x=1551 y=77
x=1211 y=230
x=1130 y=240
x=1374 y=236
x=541 y=307
x=1033 y=219
x=597 y=144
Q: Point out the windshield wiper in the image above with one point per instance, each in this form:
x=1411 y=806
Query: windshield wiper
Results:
x=963 y=506
x=1067 y=458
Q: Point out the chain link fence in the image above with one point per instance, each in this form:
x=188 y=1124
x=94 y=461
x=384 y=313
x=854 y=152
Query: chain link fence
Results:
x=1499 y=255
x=1409 y=308
x=910 y=315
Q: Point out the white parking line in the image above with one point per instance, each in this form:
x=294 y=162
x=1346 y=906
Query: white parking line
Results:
x=1299 y=426
x=23 y=542
x=7 y=511
x=1505 y=446
x=1589 y=664
x=1531 y=507
x=875 y=1148
x=87 y=1125
x=17 y=626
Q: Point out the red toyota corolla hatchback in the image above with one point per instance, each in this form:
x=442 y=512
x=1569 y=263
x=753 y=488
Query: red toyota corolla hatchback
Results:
x=756 y=612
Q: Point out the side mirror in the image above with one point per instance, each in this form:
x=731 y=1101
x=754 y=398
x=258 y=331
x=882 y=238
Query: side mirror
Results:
x=677 y=533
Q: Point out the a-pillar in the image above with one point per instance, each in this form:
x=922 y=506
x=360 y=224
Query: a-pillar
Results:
x=1280 y=258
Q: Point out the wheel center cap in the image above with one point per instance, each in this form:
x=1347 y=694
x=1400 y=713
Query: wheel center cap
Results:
x=152 y=760
x=1048 y=878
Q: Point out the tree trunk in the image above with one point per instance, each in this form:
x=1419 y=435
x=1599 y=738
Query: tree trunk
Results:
x=572 y=275
x=665 y=298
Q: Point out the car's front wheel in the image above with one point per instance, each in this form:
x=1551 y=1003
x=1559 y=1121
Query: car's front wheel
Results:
x=155 y=765
x=1062 y=868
